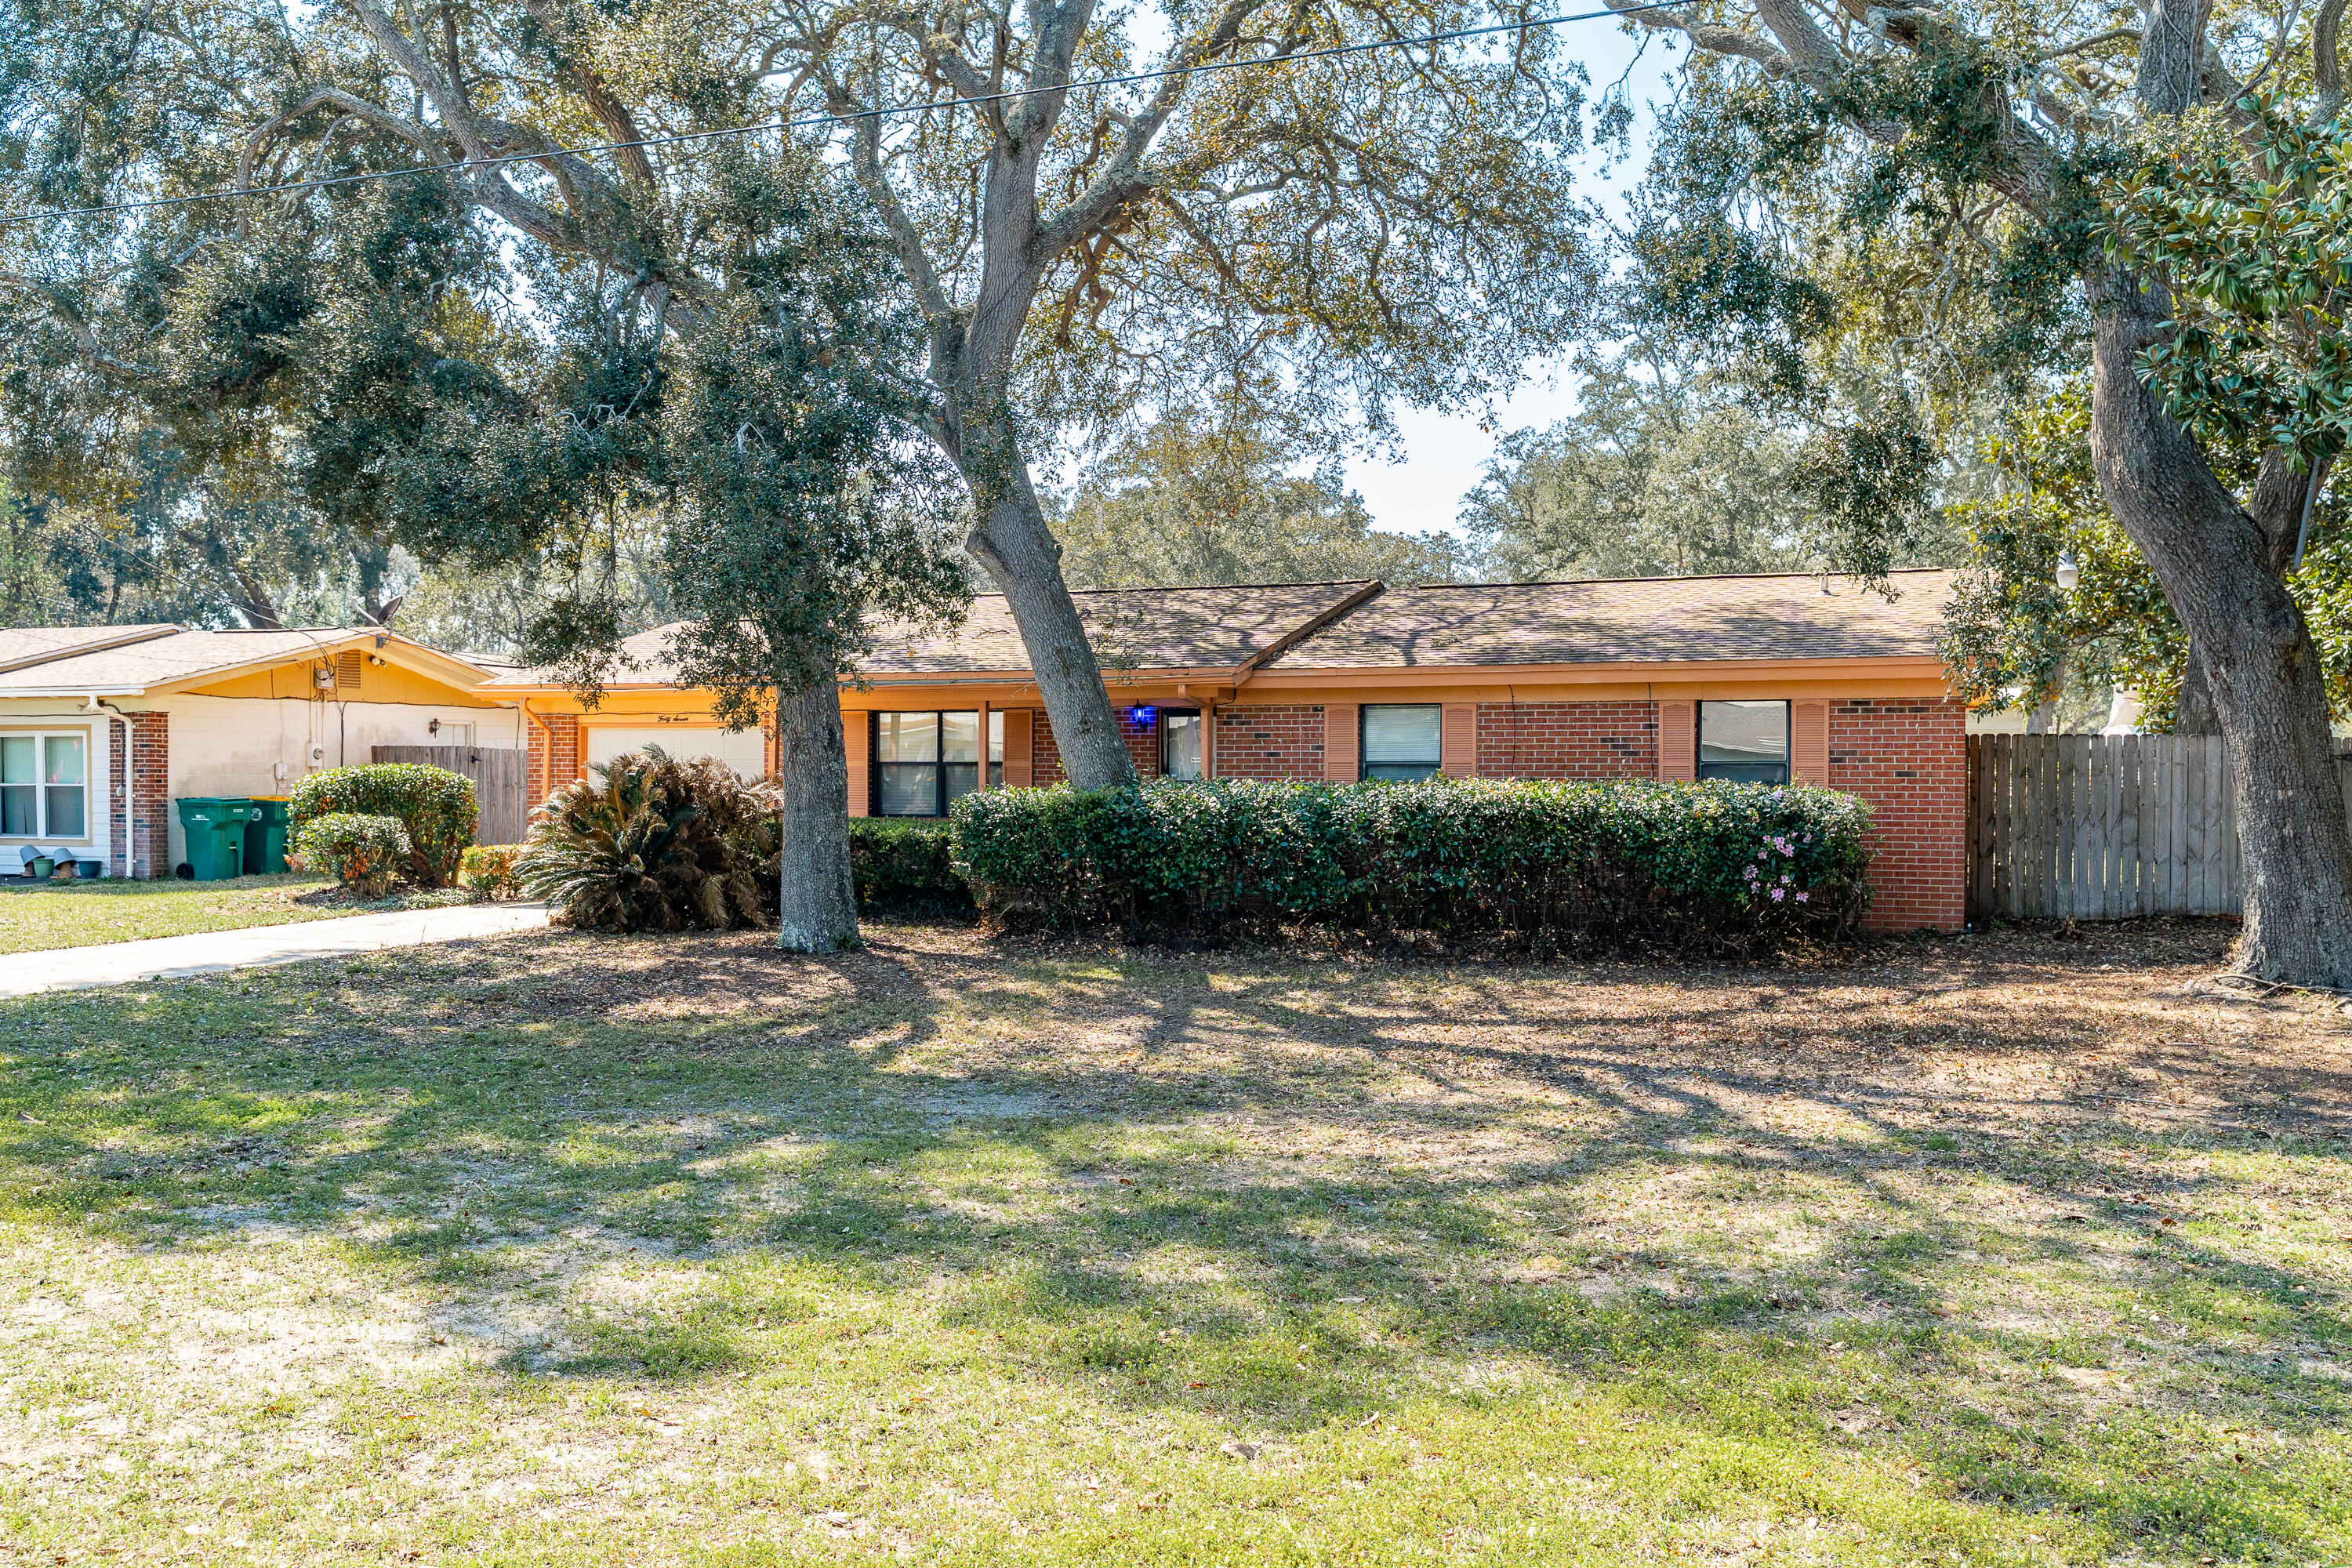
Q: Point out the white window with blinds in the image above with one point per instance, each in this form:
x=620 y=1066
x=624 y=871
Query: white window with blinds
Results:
x=45 y=786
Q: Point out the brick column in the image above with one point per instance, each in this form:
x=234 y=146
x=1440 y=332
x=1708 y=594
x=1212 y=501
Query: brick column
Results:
x=1908 y=758
x=151 y=795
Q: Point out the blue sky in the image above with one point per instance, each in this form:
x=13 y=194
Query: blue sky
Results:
x=1445 y=454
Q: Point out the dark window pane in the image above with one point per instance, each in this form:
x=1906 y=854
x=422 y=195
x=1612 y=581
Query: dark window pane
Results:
x=962 y=779
x=909 y=789
x=66 y=819
x=1400 y=770
x=17 y=803
x=960 y=737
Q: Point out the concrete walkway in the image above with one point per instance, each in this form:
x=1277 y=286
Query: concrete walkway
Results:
x=216 y=952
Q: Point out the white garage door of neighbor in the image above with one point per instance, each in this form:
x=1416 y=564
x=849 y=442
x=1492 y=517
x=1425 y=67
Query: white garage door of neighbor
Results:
x=745 y=750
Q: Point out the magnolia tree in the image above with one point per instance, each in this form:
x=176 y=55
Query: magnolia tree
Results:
x=1395 y=224
x=1986 y=194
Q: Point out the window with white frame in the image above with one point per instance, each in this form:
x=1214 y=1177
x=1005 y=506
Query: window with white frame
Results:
x=45 y=786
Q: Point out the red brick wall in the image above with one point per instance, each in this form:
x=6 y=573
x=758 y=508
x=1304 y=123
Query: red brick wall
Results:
x=1142 y=744
x=1045 y=756
x=1270 y=742
x=151 y=795
x=1142 y=741
x=554 y=754
x=1568 y=740
x=1909 y=760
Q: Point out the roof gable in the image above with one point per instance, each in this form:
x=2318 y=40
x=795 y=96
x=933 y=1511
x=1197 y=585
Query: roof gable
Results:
x=177 y=658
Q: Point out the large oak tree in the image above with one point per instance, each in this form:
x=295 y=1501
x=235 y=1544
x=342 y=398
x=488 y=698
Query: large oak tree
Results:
x=2171 y=177
x=1389 y=224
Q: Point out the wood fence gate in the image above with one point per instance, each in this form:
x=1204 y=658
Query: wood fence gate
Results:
x=501 y=784
x=2104 y=827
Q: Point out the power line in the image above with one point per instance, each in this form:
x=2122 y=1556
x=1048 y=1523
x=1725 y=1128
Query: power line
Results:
x=814 y=120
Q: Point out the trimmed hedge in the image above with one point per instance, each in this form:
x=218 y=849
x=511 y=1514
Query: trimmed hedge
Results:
x=1541 y=863
x=489 y=869
x=435 y=806
x=363 y=852
x=906 y=868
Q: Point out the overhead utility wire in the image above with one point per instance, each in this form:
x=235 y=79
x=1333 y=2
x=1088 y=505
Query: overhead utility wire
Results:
x=810 y=121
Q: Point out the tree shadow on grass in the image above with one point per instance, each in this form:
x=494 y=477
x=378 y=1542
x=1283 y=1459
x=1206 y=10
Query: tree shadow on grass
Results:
x=485 y=1119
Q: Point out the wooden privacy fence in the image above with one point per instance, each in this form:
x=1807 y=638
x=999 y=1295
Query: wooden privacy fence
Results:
x=2104 y=827
x=501 y=784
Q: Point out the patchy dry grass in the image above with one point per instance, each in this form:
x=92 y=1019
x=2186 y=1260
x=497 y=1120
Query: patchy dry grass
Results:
x=38 y=917
x=557 y=1249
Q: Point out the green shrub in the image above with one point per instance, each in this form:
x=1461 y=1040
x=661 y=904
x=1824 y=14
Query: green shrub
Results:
x=489 y=869
x=1539 y=863
x=652 y=843
x=435 y=806
x=361 y=851
x=907 y=868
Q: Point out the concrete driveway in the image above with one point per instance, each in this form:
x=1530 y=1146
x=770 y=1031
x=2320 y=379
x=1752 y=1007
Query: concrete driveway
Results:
x=216 y=952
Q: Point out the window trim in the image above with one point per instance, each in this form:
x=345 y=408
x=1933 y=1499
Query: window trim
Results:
x=991 y=768
x=1787 y=741
x=1364 y=765
x=1161 y=722
x=90 y=757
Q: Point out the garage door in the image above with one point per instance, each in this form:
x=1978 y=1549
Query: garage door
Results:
x=745 y=750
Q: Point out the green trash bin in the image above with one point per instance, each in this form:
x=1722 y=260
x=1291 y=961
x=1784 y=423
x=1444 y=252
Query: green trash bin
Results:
x=215 y=827
x=265 y=837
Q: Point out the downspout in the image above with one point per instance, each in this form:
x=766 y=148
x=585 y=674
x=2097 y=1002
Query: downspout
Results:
x=129 y=771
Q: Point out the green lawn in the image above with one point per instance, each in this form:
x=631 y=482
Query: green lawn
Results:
x=560 y=1250
x=35 y=917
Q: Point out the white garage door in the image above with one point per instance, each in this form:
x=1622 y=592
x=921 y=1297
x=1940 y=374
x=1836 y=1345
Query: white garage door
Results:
x=745 y=750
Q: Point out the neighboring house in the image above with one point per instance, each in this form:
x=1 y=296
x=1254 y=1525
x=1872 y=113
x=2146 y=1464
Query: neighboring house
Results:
x=102 y=728
x=1763 y=678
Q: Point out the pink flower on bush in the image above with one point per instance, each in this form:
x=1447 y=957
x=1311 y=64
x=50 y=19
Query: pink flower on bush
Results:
x=1779 y=893
x=1803 y=897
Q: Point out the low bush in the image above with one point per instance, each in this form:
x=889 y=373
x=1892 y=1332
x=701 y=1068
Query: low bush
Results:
x=905 y=867
x=358 y=850
x=488 y=869
x=1525 y=863
x=435 y=806
x=652 y=843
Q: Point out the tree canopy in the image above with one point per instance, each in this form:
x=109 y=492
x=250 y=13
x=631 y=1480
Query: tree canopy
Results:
x=1217 y=497
x=1394 y=224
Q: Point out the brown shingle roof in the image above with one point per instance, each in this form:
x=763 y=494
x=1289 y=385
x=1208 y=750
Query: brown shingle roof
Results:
x=1132 y=629
x=1639 y=620
x=23 y=645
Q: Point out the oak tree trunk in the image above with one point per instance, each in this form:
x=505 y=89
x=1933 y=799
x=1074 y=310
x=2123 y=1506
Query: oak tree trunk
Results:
x=2261 y=671
x=818 y=912
x=1024 y=557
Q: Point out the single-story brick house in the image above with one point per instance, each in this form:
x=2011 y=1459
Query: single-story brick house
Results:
x=101 y=728
x=1771 y=678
